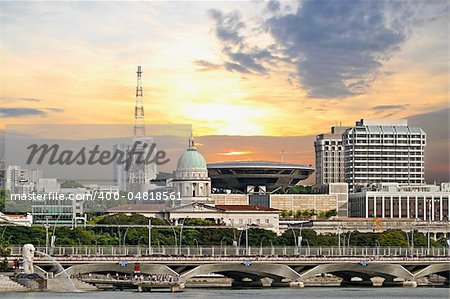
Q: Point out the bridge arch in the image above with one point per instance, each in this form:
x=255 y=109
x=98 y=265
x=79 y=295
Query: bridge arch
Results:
x=356 y=269
x=261 y=270
x=116 y=268
x=439 y=269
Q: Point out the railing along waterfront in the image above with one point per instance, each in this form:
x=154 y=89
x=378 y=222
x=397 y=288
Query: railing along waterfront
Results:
x=218 y=251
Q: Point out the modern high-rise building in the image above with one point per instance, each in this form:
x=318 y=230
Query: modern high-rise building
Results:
x=383 y=151
x=139 y=175
x=330 y=156
x=21 y=180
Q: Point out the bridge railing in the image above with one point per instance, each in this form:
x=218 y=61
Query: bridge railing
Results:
x=137 y=251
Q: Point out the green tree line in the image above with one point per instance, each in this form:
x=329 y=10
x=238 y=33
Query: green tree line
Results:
x=66 y=236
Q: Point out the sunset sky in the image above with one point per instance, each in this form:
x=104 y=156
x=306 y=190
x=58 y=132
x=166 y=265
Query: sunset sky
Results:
x=284 y=71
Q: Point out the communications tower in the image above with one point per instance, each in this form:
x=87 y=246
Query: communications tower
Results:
x=139 y=122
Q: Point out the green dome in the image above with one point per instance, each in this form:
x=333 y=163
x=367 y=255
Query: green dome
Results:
x=191 y=159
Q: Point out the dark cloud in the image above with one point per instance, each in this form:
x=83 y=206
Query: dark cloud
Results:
x=18 y=112
x=30 y=100
x=238 y=55
x=273 y=6
x=435 y=123
x=56 y=110
x=227 y=26
x=25 y=112
x=437 y=151
x=206 y=65
x=9 y=99
x=339 y=45
x=388 y=107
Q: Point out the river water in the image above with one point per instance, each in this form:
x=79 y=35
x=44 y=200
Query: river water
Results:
x=279 y=293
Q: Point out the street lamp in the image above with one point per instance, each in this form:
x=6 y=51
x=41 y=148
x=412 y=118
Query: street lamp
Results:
x=174 y=233
x=181 y=231
x=348 y=239
x=47 y=226
x=246 y=239
x=260 y=246
x=139 y=245
x=196 y=242
x=295 y=238
x=221 y=243
x=309 y=248
x=429 y=224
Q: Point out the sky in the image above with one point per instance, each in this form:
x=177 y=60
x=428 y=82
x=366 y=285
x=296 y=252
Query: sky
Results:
x=276 y=72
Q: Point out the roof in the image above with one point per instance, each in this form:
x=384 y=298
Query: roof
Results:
x=246 y=208
x=245 y=175
x=191 y=160
x=258 y=164
x=138 y=208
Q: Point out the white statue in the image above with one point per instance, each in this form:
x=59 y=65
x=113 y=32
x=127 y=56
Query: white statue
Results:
x=28 y=256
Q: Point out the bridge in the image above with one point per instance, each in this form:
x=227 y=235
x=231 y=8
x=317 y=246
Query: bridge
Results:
x=283 y=266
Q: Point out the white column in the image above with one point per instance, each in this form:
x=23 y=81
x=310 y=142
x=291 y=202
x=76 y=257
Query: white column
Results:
x=375 y=206
x=407 y=207
x=432 y=208
x=366 y=202
x=382 y=206
x=392 y=207
x=425 y=208
x=399 y=206
x=441 y=217
x=416 y=204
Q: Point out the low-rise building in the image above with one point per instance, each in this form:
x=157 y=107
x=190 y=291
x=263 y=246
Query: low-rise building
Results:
x=291 y=202
x=391 y=200
x=16 y=219
x=238 y=216
x=341 y=192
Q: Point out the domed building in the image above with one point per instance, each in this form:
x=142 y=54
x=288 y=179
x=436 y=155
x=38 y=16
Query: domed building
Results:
x=191 y=177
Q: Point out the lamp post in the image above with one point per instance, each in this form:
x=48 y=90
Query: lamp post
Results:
x=430 y=218
x=246 y=240
x=260 y=246
x=174 y=233
x=181 y=231
x=295 y=238
x=139 y=245
x=47 y=226
x=348 y=239
x=221 y=242
x=309 y=248
x=150 y=251
x=196 y=242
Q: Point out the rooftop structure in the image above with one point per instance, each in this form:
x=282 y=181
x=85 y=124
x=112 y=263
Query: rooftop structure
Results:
x=191 y=177
x=256 y=176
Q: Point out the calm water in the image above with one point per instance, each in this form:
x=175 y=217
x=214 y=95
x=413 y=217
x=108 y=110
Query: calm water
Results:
x=281 y=293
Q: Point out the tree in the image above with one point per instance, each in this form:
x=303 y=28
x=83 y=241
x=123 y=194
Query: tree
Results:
x=2 y=199
x=299 y=189
x=4 y=253
x=71 y=184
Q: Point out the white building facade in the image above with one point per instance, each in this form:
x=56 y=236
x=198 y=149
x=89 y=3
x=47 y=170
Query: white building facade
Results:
x=330 y=156
x=391 y=200
x=21 y=180
x=388 y=151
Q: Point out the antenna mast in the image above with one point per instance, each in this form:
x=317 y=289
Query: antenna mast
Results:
x=139 y=122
